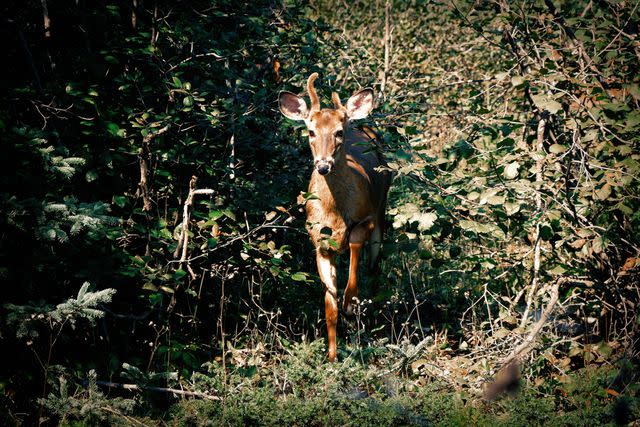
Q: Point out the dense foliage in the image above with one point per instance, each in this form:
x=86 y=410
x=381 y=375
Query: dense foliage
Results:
x=153 y=231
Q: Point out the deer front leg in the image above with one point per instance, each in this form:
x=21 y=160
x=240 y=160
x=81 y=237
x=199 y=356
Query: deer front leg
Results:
x=358 y=236
x=327 y=271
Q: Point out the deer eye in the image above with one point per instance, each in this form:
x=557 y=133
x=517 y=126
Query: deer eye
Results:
x=312 y=134
x=339 y=134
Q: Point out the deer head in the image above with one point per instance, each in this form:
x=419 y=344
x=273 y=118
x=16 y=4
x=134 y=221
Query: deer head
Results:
x=327 y=127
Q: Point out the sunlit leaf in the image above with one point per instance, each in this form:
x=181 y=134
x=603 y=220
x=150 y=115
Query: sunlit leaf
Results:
x=511 y=170
x=544 y=102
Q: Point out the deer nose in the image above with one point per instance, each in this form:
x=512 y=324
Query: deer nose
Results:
x=323 y=169
x=324 y=166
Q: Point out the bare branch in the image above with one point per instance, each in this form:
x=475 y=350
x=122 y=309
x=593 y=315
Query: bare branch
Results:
x=535 y=274
x=183 y=241
x=46 y=19
x=145 y=156
x=387 y=48
x=527 y=345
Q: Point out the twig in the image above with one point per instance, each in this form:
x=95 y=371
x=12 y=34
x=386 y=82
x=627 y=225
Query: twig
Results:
x=192 y=57
x=183 y=241
x=154 y=26
x=134 y=16
x=385 y=74
x=46 y=20
x=527 y=345
x=145 y=157
x=536 y=234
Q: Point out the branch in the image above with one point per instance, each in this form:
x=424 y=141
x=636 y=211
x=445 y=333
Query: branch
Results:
x=387 y=35
x=527 y=345
x=46 y=19
x=183 y=241
x=535 y=274
x=199 y=55
x=145 y=157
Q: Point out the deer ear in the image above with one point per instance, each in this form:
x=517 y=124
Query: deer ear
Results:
x=293 y=106
x=360 y=105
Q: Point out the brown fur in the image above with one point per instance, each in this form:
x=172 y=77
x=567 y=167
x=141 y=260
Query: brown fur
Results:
x=349 y=195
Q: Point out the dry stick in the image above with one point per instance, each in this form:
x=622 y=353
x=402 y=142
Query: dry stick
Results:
x=185 y=218
x=526 y=346
x=183 y=241
x=135 y=387
x=387 y=36
x=192 y=57
x=536 y=234
x=145 y=157
x=134 y=16
x=223 y=341
x=154 y=25
x=46 y=19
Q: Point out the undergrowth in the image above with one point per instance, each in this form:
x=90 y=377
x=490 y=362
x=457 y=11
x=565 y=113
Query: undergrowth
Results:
x=301 y=389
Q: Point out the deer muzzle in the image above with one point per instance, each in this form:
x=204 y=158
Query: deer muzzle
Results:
x=324 y=166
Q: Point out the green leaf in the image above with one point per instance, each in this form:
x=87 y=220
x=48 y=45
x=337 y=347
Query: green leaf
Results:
x=557 y=269
x=624 y=209
x=544 y=102
x=229 y=214
x=113 y=129
x=299 y=276
x=149 y=286
x=477 y=227
x=511 y=208
x=557 y=149
x=310 y=196
x=179 y=274
x=517 y=81
x=496 y=199
x=91 y=175
x=602 y=192
x=511 y=170
x=120 y=201
x=426 y=220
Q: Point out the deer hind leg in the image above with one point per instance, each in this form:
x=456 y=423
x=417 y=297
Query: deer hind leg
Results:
x=374 y=247
x=357 y=237
x=327 y=271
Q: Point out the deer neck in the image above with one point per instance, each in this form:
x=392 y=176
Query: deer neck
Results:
x=335 y=188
